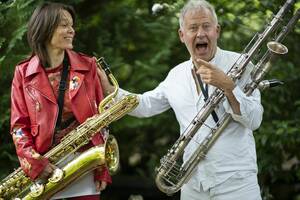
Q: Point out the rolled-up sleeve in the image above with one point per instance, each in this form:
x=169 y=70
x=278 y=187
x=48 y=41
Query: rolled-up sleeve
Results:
x=250 y=107
x=150 y=103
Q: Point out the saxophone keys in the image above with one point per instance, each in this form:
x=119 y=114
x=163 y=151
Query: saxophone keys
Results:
x=37 y=189
x=57 y=176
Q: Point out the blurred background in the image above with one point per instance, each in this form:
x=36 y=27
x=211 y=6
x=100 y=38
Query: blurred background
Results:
x=141 y=47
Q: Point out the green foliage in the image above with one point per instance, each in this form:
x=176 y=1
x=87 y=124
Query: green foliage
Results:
x=13 y=19
x=141 y=48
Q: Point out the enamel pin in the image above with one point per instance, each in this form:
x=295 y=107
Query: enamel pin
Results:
x=74 y=83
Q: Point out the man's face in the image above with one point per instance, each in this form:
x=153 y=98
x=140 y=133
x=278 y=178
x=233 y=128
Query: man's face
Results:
x=200 y=33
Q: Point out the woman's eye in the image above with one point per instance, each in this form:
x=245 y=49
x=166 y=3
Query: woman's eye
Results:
x=64 y=25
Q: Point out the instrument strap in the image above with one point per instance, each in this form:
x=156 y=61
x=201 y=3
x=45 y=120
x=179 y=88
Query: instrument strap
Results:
x=61 y=91
x=205 y=94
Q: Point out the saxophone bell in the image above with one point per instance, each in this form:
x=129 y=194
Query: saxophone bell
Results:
x=112 y=155
x=274 y=49
x=263 y=67
x=277 y=48
x=102 y=155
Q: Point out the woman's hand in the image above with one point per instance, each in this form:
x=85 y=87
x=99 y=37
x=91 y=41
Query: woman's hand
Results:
x=47 y=171
x=100 y=185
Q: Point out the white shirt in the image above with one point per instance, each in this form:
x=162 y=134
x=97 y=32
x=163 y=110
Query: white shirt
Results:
x=84 y=185
x=234 y=152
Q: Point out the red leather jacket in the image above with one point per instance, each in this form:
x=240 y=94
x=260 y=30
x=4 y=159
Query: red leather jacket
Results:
x=34 y=108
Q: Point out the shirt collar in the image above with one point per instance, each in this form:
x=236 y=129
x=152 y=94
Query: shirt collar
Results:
x=217 y=56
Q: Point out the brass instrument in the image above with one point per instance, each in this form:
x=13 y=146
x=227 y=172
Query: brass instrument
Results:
x=173 y=172
x=95 y=157
x=18 y=186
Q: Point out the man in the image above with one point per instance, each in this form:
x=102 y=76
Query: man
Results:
x=229 y=170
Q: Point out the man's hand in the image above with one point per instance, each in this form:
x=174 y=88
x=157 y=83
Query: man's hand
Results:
x=213 y=76
x=216 y=77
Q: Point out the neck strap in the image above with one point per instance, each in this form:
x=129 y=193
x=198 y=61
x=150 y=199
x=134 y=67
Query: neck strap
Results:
x=61 y=91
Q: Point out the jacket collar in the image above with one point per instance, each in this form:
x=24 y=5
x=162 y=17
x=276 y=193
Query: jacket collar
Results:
x=76 y=62
x=34 y=66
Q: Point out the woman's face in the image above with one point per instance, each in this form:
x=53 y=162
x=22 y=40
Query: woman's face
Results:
x=63 y=34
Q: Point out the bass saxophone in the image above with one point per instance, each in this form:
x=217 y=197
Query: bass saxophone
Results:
x=18 y=186
x=172 y=173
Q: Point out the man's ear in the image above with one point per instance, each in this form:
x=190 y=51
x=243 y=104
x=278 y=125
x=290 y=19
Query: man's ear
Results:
x=218 y=30
x=180 y=33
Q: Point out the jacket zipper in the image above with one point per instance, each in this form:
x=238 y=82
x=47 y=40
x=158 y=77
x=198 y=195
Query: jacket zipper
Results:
x=56 y=114
x=36 y=102
x=89 y=100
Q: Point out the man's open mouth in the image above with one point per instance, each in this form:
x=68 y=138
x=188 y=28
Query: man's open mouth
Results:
x=201 y=45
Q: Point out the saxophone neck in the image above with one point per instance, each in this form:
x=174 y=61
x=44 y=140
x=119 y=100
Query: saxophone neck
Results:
x=104 y=104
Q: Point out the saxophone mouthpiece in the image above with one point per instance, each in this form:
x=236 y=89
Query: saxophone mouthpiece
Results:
x=269 y=84
x=104 y=66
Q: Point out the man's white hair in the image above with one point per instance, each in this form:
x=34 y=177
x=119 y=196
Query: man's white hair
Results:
x=195 y=5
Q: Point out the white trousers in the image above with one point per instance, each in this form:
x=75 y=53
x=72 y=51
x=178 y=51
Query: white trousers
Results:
x=234 y=188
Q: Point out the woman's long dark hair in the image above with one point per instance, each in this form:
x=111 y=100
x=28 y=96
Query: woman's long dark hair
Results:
x=42 y=25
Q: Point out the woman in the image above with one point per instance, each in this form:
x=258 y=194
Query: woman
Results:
x=36 y=123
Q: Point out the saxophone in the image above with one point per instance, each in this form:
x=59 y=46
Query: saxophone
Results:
x=172 y=173
x=18 y=186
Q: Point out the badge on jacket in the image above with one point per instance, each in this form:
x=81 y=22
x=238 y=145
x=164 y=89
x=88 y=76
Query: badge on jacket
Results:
x=74 y=83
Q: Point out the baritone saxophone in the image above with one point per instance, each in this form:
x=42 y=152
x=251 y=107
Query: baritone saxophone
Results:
x=18 y=186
